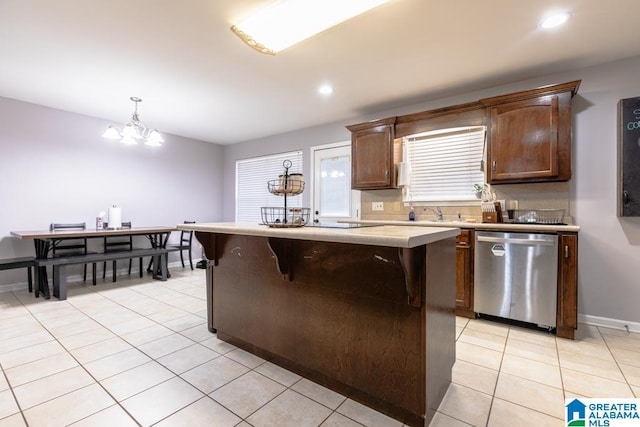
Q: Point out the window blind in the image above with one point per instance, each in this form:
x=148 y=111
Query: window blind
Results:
x=252 y=192
x=445 y=164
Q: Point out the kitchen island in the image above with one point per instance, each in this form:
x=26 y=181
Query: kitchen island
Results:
x=367 y=312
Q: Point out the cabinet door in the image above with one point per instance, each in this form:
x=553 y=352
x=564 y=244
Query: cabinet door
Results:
x=523 y=141
x=567 y=316
x=464 y=274
x=372 y=152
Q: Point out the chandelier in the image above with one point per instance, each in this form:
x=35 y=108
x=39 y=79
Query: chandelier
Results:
x=134 y=130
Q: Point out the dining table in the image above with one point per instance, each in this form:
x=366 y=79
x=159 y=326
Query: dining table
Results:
x=45 y=240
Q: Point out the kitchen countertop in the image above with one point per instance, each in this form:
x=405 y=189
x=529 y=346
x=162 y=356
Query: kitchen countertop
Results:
x=478 y=225
x=390 y=235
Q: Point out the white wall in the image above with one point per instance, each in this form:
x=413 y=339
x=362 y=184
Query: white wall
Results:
x=609 y=247
x=56 y=167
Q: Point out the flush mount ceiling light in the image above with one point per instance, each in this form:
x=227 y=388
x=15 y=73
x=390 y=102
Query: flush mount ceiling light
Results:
x=287 y=22
x=134 y=130
x=555 y=20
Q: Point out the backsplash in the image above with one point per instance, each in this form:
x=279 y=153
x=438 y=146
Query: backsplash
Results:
x=552 y=195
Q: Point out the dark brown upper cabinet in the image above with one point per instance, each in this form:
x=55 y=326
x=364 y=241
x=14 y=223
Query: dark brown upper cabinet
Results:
x=529 y=135
x=374 y=155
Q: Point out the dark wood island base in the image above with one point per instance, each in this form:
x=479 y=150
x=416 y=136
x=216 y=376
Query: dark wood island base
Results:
x=374 y=323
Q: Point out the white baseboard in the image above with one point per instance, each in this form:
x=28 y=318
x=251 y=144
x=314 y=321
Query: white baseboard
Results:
x=606 y=322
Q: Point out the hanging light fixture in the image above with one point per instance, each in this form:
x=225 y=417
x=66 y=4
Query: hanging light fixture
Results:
x=134 y=130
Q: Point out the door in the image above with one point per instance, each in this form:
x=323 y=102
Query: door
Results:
x=333 y=198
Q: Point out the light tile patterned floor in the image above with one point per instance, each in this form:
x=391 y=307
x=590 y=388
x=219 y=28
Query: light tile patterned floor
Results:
x=137 y=352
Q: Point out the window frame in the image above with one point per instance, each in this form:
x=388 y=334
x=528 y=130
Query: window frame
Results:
x=471 y=172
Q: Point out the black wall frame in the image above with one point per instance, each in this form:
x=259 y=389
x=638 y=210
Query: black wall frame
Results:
x=629 y=157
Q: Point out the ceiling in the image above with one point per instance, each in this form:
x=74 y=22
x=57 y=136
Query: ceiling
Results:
x=199 y=80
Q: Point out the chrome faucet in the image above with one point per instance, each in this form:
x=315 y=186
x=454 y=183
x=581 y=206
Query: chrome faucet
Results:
x=437 y=211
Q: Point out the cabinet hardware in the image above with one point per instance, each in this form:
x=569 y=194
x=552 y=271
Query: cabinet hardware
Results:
x=566 y=251
x=625 y=197
x=493 y=165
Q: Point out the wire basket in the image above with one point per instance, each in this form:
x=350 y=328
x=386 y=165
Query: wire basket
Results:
x=291 y=185
x=283 y=218
x=538 y=216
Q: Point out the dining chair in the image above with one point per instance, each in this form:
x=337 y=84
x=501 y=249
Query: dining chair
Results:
x=186 y=239
x=117 y=244
x=71 y=246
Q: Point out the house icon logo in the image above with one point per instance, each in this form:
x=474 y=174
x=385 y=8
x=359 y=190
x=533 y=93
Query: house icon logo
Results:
x=576 y=413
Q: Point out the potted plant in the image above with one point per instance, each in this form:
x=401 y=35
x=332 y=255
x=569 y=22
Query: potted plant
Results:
x=479 y=189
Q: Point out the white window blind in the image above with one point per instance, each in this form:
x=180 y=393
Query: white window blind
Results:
x=445 y=164
x=252 y=192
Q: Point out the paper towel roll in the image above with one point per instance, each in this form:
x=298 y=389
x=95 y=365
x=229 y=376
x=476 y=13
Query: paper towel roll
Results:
x=115 y=217
x=404 y=173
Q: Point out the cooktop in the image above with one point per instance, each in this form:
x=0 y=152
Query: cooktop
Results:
x=327 y=224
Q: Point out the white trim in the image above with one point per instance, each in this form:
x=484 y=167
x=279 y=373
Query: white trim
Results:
x=331 y=145
x=609 y=323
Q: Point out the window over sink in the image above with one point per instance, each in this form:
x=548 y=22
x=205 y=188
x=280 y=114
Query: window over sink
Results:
x=445 y=164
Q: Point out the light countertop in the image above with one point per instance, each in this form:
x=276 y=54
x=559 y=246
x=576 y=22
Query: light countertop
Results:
x=485 y=226
x=383 y=235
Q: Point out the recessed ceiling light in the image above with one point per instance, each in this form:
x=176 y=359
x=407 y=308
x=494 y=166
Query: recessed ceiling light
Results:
x=555 y=20
x=325 y=90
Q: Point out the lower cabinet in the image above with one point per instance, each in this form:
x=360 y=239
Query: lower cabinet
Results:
x=464 y=273
x=567 y=314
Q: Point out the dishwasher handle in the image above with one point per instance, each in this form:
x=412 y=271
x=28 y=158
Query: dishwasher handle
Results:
x=529 y=242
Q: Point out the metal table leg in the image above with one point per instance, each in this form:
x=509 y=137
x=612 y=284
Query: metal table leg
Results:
x=41 y=283
x=156 y=267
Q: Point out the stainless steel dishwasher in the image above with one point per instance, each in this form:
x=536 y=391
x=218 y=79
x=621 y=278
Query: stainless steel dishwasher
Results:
x=515 y=276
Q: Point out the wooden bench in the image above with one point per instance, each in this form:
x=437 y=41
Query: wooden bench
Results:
x=22 y=262
x=60 y=278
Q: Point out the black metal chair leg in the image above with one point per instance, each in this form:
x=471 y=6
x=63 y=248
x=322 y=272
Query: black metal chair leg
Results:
x=30 y=278
x=181 y=258
x=190 y=260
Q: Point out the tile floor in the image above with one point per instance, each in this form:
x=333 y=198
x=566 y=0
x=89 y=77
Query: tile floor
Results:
x=138 y=353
